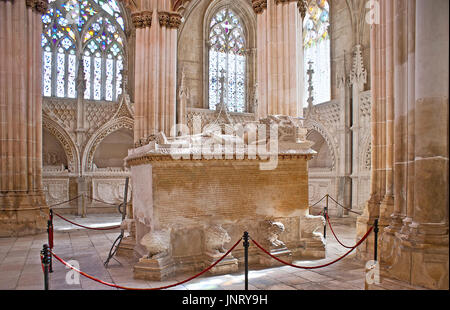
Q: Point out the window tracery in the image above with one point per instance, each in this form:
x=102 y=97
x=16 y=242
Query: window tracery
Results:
x=89 y=33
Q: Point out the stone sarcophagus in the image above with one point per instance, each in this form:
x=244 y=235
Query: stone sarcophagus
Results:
x=194 y=196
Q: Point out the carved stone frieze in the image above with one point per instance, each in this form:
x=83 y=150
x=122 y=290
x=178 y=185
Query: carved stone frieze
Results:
x=56 y=190
x=109 y=189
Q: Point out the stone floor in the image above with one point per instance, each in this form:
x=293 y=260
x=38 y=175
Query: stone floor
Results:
x=20 y=267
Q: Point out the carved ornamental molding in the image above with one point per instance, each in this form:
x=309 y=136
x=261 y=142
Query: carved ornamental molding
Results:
x=180 y=6
x=40 y=6
x=142 y=19
x=169 y=19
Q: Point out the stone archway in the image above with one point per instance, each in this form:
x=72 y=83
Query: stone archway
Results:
x=102 y=133
x=66 y=142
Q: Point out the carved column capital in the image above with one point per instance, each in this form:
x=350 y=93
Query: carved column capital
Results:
x=142 y=19
x=302 y=7
x=169 y=19
x=284 y=1
x=40 y=6
x=259 y=5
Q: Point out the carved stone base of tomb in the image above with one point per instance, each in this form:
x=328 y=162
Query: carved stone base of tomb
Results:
x=157 y=269
x=190 y=210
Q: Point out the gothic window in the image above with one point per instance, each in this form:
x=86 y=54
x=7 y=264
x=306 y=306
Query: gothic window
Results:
x=316 y=47
x=89 y=33
x=227 y=62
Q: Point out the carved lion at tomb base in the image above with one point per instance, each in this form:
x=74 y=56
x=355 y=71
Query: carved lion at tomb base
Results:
x=215 y=239
x=157 y=243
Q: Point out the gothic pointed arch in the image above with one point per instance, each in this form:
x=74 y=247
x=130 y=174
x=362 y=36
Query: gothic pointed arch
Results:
x=116 y=123
x=316 y=126
x=69 y=146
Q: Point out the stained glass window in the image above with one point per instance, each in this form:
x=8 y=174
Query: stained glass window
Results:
x=87 y=31
x=227 y=60
x=316 y=47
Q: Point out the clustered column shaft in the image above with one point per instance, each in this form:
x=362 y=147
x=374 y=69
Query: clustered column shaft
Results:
x=279 y=58
x=21 y=196
x=409 y=185
x=155 y=73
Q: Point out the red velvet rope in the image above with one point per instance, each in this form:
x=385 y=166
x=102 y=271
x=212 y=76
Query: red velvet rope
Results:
x=50 y=236
x=42 y=265
x=345 y=246
x=146 y=289
x=61 y=203
x=315 y=267
x=94 y=228
x=348 y=209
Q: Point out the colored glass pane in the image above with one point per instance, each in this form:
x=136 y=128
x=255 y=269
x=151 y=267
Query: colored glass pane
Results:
x=316 y=45
x=99 y=25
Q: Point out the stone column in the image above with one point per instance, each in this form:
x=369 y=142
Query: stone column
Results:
x=279 y=56
x=155 y=68
x=400 y=85
x=429 y=227
x=410 y=90
x=387 y=203
x=377 y=189
x=358 y=78
x=23 y=208
x=344 y=182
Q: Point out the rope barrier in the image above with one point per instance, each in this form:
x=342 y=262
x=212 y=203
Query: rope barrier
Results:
x=101 y=201
x=313 y=205
x=94 y=228
x=348 y=209
x=315 y=267
x=328 y=220
x=61 y=203
x=91 y=198
x=145 y=289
